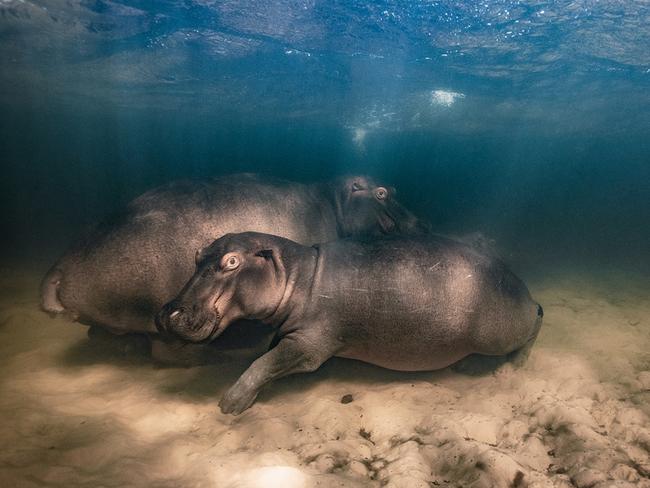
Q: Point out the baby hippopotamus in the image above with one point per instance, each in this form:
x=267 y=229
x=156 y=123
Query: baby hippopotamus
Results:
x=408 y=303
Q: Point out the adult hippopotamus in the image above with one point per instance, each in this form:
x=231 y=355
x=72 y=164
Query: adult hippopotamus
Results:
x=404 y=303
x=119 y=275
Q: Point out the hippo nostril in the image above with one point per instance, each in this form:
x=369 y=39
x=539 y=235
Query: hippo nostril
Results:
x=167 y=317
x=174 y=312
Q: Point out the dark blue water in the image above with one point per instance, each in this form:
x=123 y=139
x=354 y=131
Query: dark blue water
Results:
x=527 y=121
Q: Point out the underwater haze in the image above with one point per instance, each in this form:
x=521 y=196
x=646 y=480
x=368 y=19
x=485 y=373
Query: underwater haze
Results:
x=525 y=121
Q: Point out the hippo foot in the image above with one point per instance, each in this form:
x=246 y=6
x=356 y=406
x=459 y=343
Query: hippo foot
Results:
x=479 y=364
x=237 y=399
x=519 y=357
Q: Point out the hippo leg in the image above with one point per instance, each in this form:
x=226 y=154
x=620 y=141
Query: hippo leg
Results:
x=479 y=364
x=295 y=353
x=519 y=356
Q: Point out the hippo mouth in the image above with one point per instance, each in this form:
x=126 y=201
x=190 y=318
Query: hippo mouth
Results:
x=216 y=326
x=206 y=330
x=203 y=328
x=387 y=223
x=213 y=324
x=216 y=332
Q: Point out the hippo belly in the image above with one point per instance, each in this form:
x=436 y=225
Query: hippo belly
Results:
x=419 y=340
x=418 y=358
x=421 y=303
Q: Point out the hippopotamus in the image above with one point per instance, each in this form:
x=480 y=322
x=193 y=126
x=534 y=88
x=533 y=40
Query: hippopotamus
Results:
x=119 y=275
x=407 y=303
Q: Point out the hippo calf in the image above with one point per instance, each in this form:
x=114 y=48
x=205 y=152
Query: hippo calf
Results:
x=119 y=275
x=404 y=303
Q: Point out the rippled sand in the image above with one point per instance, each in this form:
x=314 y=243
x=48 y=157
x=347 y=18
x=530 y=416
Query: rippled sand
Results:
x=79 y=414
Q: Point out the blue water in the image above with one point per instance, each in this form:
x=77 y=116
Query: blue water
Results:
x=526 y=120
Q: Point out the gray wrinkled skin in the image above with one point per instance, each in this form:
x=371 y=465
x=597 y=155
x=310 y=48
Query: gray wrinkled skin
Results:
x=120 y=275
x=408 y=303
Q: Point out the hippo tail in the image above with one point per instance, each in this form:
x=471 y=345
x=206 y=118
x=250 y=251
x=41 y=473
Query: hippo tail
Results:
x=50 y=302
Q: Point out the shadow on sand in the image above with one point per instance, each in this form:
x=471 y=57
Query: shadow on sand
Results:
x=205 y=372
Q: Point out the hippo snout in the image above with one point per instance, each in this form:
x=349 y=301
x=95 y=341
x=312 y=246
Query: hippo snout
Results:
x=170 y=317
x=190 y=323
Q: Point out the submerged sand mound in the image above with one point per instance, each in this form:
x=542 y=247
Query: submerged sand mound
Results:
x=76 y=414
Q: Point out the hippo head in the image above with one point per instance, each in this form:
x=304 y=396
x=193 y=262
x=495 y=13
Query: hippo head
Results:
x=238 y=276
x=365 y=208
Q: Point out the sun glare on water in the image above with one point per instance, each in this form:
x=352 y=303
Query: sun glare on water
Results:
x=445 y=98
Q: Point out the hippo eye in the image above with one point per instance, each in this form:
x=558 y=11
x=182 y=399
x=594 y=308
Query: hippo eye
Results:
x=381 y=193
x=230 y=262
x=356 y=187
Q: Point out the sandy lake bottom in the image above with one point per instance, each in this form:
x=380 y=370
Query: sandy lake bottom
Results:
x=73 y=414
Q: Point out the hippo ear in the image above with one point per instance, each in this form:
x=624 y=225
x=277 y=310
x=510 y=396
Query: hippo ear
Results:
x=265 y=253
